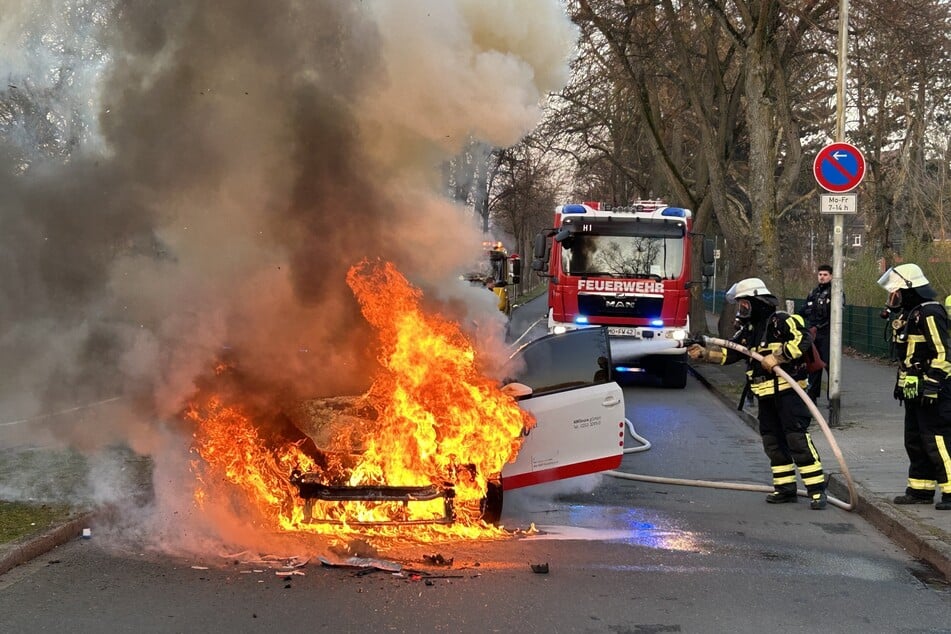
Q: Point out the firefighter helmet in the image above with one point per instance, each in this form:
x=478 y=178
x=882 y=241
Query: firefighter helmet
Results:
x=903 y=276
x=750 y=287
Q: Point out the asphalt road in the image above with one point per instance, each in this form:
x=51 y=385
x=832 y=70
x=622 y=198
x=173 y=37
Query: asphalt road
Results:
x=622 y=556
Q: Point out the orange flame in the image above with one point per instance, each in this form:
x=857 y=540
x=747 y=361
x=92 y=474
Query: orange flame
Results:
x=440 y=422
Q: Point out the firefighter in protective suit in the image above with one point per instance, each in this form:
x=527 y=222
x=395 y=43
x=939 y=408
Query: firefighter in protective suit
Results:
x=923 y=383
x=782 y=340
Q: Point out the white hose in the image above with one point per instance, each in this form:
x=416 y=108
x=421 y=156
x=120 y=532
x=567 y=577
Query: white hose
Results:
x=527 y=330
x=736 y=486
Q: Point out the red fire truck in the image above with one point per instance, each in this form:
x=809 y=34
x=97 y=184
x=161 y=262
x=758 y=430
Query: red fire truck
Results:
x=626 y=268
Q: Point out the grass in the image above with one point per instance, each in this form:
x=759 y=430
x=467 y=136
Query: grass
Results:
x=529 y=295
x=40 y=488
x=20 y=519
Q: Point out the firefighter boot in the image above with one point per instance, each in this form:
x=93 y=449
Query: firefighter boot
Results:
x=945 y=503
x=781 y=497
x=907 y=498
x=817 y=501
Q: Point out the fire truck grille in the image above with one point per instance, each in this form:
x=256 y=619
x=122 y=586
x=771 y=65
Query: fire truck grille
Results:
x=612 y=306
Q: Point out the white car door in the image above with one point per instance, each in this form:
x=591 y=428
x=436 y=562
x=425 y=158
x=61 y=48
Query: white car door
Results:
x=578 y=409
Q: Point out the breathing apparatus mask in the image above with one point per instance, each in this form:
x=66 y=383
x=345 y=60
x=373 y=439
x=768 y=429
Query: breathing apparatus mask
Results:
x=744 y=310
x=752 y=299
x=892 y=305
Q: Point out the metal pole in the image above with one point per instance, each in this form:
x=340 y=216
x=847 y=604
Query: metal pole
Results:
x=716 y=243
x=835 y=325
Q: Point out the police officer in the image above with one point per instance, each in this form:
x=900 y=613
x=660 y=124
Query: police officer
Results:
x=817 y=312
x=782 y=340
x=923 y=383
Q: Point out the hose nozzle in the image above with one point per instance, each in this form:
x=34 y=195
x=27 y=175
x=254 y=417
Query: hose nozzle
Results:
x=691 y=340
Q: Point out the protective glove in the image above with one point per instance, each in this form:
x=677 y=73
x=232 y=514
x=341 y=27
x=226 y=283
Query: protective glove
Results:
x=899 y=392
x=769 y=362
x=700 y=353
x=910 y=388
x=929 y=391
x=697 y=352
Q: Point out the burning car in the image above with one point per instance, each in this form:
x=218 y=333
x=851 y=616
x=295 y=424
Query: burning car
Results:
x=433 y=441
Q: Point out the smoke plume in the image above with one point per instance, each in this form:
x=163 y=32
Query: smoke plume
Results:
x=185 y=179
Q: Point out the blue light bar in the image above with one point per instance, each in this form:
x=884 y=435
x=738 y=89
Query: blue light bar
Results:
x=581 y=319
x=657 y=322
x=624 y=368
x=574 y=209
x=676 y=212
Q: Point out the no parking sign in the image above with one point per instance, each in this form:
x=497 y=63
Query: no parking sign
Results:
x=839 y=167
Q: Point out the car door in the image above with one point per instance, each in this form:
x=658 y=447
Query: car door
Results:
x=578 y=407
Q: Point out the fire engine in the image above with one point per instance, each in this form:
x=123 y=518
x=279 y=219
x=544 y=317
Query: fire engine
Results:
x=627 y=269
x=499 y=272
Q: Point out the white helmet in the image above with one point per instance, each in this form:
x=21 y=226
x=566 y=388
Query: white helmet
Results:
x=750 y=287
x=903 y=276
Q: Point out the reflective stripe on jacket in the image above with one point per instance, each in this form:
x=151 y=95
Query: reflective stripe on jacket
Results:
x=781 y=334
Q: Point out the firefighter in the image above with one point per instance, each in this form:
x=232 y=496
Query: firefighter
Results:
x=923 y=383
x=782 y=340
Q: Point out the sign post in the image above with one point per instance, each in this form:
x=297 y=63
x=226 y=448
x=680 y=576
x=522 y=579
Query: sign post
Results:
x=839 y=168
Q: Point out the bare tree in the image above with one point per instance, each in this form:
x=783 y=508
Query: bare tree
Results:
x=715 y=109
x=901 y=61
x=523 y=194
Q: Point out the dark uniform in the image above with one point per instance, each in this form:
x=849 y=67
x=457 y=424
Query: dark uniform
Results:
x=817 y=312
x=783 y=417
x=922 y=346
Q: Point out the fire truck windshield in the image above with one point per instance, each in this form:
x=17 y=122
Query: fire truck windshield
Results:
x=626 y=256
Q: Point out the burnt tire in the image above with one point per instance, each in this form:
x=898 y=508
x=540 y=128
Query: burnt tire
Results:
x=491 y=505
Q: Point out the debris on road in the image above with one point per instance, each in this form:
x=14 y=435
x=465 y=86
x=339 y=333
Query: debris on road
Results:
x=286 y=574
x=437 y=560
x=362 y=562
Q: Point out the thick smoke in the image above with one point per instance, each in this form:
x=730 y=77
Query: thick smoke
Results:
x=183 y=180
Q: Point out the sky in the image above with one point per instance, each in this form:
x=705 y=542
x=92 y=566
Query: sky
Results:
x=187 y=179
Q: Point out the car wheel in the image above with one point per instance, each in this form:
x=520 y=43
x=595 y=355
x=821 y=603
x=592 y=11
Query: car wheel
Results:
x=492 y=503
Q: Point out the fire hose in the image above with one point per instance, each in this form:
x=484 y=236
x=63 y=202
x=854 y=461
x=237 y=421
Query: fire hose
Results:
x=515 y=343
x=645 y=444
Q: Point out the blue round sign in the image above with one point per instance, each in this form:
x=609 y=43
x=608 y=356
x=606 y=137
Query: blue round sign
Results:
x=839 y=167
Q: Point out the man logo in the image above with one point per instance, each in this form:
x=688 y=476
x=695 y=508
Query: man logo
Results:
x=620 y=303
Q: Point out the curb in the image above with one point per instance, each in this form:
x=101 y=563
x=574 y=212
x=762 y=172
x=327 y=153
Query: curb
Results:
x=27 y=548
x=903 y=531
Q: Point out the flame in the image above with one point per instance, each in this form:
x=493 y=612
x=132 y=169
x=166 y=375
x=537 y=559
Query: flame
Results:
x=439 y=422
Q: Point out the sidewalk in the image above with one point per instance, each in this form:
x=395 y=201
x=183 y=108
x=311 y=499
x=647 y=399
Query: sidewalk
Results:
x=869 y=434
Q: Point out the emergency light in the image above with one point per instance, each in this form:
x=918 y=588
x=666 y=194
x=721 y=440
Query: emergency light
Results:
x=574 y=209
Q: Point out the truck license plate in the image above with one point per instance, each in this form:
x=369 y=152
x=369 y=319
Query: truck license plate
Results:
x=616 y=331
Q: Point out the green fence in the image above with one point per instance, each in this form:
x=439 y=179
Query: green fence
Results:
x=863 y=329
